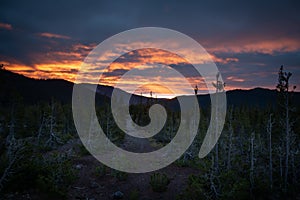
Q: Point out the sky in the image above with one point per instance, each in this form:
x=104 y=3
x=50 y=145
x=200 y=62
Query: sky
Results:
x=248 y=41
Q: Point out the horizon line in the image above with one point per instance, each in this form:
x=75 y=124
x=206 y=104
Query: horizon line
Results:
x=160 y=96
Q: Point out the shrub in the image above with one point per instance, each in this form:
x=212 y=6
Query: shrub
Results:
x=51 y=174
x=100 y=170
x=134 y=194
x=57 y=174
x=121 y=176
x=159 y=182
x=82 y=150
x=196 y=189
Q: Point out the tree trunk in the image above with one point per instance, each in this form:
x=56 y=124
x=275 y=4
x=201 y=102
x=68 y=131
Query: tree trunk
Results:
x=287 y=145
x=293 y=167
x=269 y=130
x=230 y=141
x=252 y=160
x=280 y=162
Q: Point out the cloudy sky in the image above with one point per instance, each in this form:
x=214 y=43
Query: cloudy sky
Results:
x=248 y=41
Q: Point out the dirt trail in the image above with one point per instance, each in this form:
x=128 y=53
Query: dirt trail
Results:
x=134 y=144
x=137 y=145
x=90 y=186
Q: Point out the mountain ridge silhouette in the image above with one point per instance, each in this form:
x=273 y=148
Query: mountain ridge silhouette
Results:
x=32 y=91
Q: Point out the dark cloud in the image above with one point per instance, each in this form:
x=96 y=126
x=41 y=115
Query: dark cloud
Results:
x=259 y=69
x=94 y=21
x=115 y=73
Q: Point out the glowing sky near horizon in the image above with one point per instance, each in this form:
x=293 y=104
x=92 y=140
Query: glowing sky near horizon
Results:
x=247 y=42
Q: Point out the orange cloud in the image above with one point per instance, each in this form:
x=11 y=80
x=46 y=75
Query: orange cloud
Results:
x=53 y=35
x=258 y=46
x=79 y=46
x=235 y=79
x=6 y=26
x=47 y=71
x=223 y=60
x=55 y=64
x=143 y=57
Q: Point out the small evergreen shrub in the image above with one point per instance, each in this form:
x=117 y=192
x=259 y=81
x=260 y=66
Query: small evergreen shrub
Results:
x=159 y=182
x=121 y=176
x=100 y=170
x=134 y=194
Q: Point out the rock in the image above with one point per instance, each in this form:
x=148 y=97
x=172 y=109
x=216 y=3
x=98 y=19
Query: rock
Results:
x=78 y=188
x=118 y=195
x=79 y=166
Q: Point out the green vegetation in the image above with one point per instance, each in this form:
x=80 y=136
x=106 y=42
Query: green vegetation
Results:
x=159 y=182
x=134 y=194
x=100 y=170
x=121 y=176
x=56 y=175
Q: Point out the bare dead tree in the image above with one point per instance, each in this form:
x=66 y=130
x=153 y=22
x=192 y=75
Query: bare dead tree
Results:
x=219 y=85
x=40 y=131
x=196 y=89
x=283 y=88
x=53 y=139
x=293 y=166
x=252 y=160
x=269 y=131
x=280 y=161
x=213 y=179
x=91 y=131
x=13 y=153
x=230 y=140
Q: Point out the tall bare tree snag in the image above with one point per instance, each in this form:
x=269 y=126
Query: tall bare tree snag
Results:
x=40 y=132
x=269 y=131
x=283 y=89
x=280 y=151
x=252 y=159
x=53 y=139
x=196 y=89
x=214 y=173
x=13 y=153
x=214 y=187
x=219 y=85
x=230 y=139
x=294 y=173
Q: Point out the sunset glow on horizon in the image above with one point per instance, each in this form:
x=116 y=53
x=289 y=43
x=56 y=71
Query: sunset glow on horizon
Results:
x=247 y=43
